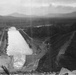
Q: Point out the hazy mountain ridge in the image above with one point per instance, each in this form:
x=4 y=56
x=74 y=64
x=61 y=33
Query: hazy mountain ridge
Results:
x=73 y=14
x=52 y=15
x=18 y=15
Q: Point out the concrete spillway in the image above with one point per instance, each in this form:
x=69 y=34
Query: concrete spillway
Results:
x=16 y=43
x=17 y=47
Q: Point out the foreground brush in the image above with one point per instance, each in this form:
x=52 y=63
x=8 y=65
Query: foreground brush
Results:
x=5 y=70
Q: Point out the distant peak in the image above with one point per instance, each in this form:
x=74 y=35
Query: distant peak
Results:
x=17 y=15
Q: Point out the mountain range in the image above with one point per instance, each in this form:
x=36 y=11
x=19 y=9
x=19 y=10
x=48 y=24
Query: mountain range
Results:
x=52 y=15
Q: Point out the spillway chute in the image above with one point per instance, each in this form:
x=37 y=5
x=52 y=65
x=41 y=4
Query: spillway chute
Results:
x=16 y=43
x=17 y=47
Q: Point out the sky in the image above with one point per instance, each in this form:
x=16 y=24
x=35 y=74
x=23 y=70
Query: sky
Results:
x=36 y=7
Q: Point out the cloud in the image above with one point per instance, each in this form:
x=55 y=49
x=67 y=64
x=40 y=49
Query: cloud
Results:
x=64 y=1
x=64 y=4
x=70 y=3
x=37 y=7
